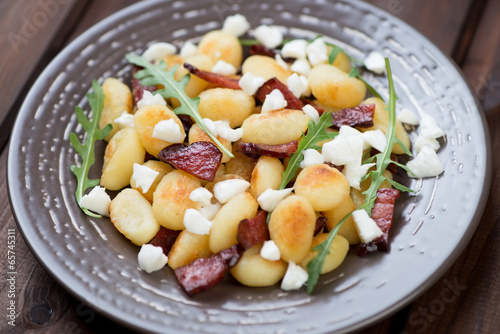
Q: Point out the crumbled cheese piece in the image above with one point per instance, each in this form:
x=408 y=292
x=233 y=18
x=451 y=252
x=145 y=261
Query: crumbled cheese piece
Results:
x=375 y=62
x=408 y=117
x=249 y=83
x=281 y=62
x=225 y=190
x=97 y=200
x=341 y=150
x=428 y=132
x=294 y=278
x=201 y=195
x=223 y=129
x=196 y=223
x=148 y=98
x=270 y=251
x=317 y=51
x=425 y=164
x=210 y=210
x=236 y=25
x=312 y=112
x=151 y=258
x=224 y=68
x=125 y=120
x=168 y=130
x=295 y=49
x=375 y=139
x=298 y=84
x=157 y=51
x=274 y=101
x=188 y=49
x=301 y=66
x=311 y=157
x=367 y=229
x=270 y=198
x=354 y=172
x=270 y=37
x=143 y=176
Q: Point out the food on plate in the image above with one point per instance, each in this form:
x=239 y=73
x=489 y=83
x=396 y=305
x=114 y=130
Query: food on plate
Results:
x=268 y=168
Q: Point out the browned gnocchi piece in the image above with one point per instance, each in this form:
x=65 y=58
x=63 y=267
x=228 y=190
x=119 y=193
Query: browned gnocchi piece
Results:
x=241 y=165
x=187 y=248
x=255 y=271
x=338 y=251
x=265 y=67
x=117 y=99
x=220 y=45
x=159 y=166
x=335 y=215
x=323 y=186
x=145 y=120
x=291 y=227
x=171 y=198
x=225 y=222
x=224 y=104
x=123 y=150
x=335 y=87
x=275 y=127
x=267 y=173
x=133 y=216
x=381 y=122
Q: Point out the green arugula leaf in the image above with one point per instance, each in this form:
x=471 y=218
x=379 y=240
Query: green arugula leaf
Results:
x=383 y=159
x=333 y=54
x=86 y=150
x=153 y=75
x=315 y=134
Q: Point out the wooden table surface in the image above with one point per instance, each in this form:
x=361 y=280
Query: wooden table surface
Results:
x=33 y=32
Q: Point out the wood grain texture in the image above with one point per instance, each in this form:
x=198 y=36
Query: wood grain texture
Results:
x=31 y=36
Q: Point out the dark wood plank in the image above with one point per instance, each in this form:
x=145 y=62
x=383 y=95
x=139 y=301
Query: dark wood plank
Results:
x=439 y=21
x=30 y=36
x=465 y=299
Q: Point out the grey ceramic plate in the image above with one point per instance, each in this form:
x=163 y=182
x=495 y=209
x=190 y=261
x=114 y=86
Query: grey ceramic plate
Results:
x=95 y=263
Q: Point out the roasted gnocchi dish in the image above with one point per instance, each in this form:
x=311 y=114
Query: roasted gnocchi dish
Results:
x=264 y=159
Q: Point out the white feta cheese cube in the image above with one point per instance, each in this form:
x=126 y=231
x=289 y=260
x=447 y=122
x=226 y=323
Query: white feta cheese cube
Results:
x=295 y=277
x=188 y=49
x=223 y=129
x=354 y=172
x=274 y=101
x=270 y=251
x=201 y=195
x=281 y=62
x=429 y=127
x=311 y=157
x=125 y=120
x=250 y=83
x=312 y=112
x=143 y=176
x=422 y=141
x=225 y=190
x=408 y=117
x=270 y=198
x=295 y=49
x=196 y=223
x=298 y=84
x=150 y=98
x=425 y=164
x=317 y=51
x=236 y=25
x=224 y=68
x=168 y=130
x=97 y=200
x=157 y=51
x=367 y=229
x=301 y=66
x=151 y=258
x=375 y=139
x=270 y=37
x=343 y=150
x=375 y=62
